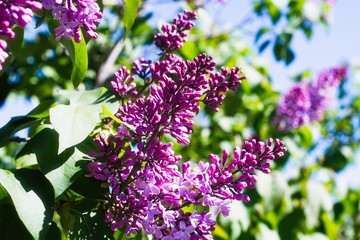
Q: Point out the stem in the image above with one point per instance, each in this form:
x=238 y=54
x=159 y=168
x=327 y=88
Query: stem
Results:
x=19 y=139
x=106 y=69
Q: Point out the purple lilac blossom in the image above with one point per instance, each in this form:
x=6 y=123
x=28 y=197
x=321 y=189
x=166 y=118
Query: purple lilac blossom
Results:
x=123 y=83
x=154 y=196
x=73 y=14
x=147 y=190
x=16 y=12
x=307 y=101
x=320 y=91
x=172 y=36
x=293 y=108
x=220 y=83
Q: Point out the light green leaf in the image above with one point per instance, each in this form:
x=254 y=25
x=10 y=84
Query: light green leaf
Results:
x=131 y=8
x=33 y=198
x=73 y=123
x=272 y=188
x=220 y=232
x=317 y=198
x=81 y=98
x=266 y=233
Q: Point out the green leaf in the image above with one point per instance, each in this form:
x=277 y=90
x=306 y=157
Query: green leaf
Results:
x=272 y=188
x=73 y=123
x=14 y=46
x=80 y=61
x=60 y=169
x=42 y=110
x=317 y=199
x=131 y=8
x=77 y=51
x=33 y=198
x=264 y=45
x=54 y=232
x=11 y=227
x=260 y=33
x=91 y=225
x=290 y=56
x=291 y=224
x=81 y=98
x=89 y=187
x=15 y=124
x=273 y=11
x=220 y=232
x=266 y=233
x=3 y=193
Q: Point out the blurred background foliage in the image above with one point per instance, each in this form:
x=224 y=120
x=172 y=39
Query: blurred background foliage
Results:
x=302 y=197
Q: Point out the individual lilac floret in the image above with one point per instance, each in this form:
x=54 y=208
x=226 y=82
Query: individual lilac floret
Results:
x=16 y=12
x=172 y=36
x=142 y=68
x=307 y=101
x=123 y=83
x=219 y=85
x=74 y=14
x=3 y=54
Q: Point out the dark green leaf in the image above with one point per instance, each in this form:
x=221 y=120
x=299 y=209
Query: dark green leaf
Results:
x=131 y=8
x=260 y=33
x=77 y=51
x=14 y=125
x=61 y=169
x=264 y=45
x=53 y=233
x=274 y=12
x=291 y=223
x=290 y=56
x=80 y=61
x=33 y=198
x=91 y=225
x=88 y=187
x=42 y=110
x=11 y=227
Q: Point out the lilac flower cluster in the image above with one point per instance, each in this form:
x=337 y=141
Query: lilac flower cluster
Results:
x=147 y=190
x=16 y=12
x=172 y=36
x=74 y=14
x=306 y=101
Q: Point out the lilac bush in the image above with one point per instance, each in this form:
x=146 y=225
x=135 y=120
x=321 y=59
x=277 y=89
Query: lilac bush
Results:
x=149 y=186
x=307 y=101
